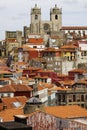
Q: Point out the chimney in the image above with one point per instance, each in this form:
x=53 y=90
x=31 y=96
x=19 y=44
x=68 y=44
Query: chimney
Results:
x=4 y=107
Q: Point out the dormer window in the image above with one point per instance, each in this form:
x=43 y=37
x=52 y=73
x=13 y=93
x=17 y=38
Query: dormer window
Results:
x=36 y=17
x=56 y=16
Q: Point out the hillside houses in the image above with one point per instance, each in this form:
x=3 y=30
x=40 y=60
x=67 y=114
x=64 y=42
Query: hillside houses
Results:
x=43 y=75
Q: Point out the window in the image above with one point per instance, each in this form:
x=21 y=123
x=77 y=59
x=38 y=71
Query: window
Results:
x=64 y=98
x=56 y=16
x=59 y=98
x=82 y=97
x=74 y=98
x=8 y=94
x=2 y=95
x=34 y=46
x=36 y=17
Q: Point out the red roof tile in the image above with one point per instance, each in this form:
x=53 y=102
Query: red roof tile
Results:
x=35 y=40
x=6 y=89
x=8 y=101
x=20 y=87
x=74 y=28
x=8 y=114
x=66 y=111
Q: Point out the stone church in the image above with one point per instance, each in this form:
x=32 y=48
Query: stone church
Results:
x=50 y=27
x=38 y=26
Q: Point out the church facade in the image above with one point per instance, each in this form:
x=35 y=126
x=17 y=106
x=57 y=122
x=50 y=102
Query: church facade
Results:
x=42 y=27
x=52 y=26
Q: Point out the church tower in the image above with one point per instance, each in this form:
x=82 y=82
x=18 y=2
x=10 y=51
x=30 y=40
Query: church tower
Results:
x=56 y=18
x=35 y=20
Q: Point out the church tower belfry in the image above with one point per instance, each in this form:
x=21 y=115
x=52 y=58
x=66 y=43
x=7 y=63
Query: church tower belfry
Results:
x=35 y=19
x=56 y=18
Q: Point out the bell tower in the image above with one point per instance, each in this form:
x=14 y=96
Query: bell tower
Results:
x=35 y=20
x=56 y=18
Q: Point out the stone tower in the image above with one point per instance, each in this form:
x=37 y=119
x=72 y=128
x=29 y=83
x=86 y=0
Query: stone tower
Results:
x=35 y=20
x=56 y=18
x=46 y=27
x=33 y=105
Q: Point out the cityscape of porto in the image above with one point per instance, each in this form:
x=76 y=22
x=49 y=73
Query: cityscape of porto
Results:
x=43 y=65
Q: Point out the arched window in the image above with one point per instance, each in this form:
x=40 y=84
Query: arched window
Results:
x=56 y=16
x=36 y=16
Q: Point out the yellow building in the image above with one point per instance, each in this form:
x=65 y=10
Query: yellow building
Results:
x=69 y=52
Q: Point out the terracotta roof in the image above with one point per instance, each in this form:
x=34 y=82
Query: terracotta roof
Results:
x=59 y=88
x=32 y=68
x=5 y=72
x=35 y=40
x=74 y=28
x=50 y=49
x=62 y=75
x=66 y=111
x=57 y=111
x=8 y=114
x=77 y=70
x=68 y=47
x=6 y=89
x=40 y=88
x=82 y=81
x=67 y=82
x=41 y=77
x=5 y=79
x=8 y=101
x=27 y=48
x=20 y=87
x=20 y=63
x=45 y=70
x=45 y=85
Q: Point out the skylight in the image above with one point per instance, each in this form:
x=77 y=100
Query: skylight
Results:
x=17 y=104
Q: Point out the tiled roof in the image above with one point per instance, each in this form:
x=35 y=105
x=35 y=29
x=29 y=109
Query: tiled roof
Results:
x=74 y=28
x=40 y=88
x=67 y=82
x=46 y=85
x=8 y=101
x=33 y=69
x=8 y=114
x=41 y=77
x=27 y=48
x=45 y=70
x=20 y=87
x=77 y=70
x=59 y=88
x=20 y=63
x=57 y=111
x=49 y=49
x=35 y=40
x=4 y=72
x=62 y=75
x=66 y=111
x=7 y=88
x=68 y=47
x=82 y=81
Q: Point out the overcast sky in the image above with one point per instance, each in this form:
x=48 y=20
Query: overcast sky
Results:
x=14 y=14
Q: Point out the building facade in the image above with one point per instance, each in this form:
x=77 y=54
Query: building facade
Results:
x=39 y=26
